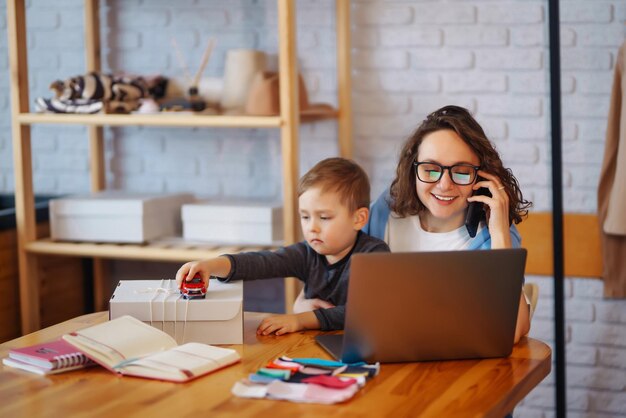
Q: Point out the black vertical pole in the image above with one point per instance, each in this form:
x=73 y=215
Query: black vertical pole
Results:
x=557 y=207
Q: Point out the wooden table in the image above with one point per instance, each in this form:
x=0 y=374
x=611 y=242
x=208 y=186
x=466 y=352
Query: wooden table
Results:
x=439 y=389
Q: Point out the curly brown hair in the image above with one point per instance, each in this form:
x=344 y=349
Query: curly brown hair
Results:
x=404 y=200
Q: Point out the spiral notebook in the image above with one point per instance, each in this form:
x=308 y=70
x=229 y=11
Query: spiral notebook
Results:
x=48 y=358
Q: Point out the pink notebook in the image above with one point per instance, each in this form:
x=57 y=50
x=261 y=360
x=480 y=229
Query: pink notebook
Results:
x=52 y=355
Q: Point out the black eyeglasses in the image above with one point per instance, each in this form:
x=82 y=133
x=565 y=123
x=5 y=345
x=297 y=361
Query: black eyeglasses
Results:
x=461 y=174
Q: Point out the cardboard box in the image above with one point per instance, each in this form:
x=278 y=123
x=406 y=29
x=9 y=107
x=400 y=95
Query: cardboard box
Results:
x=116 y=216
x=216 y=319
x=237 y=223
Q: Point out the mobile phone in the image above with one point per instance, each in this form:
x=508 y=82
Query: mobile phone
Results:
x=476 y=212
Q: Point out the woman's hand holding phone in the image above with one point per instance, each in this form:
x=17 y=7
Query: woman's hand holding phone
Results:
x=476 y=212
x=497 y=208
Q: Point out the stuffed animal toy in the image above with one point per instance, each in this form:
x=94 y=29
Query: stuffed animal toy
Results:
x=95 y=92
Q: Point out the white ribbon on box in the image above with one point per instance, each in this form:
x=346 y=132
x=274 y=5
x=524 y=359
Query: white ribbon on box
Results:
x=167 y=292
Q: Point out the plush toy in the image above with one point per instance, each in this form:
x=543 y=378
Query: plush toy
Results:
x=95 y=92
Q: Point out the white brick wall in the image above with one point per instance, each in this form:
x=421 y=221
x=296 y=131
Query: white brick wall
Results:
x=595 y=353
x=409 y=58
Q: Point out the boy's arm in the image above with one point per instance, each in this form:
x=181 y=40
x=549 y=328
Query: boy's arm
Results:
x=285 y=262
x=302 y=304
x=332 y=318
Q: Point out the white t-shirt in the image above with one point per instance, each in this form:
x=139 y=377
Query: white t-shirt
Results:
x=407 y=235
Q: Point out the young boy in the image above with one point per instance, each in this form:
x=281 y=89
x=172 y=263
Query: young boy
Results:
x=333 y=200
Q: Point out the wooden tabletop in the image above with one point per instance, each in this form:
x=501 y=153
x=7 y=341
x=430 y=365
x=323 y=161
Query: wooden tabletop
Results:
x=471 y=388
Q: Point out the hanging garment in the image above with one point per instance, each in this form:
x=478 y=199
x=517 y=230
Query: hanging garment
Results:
x=612 y=188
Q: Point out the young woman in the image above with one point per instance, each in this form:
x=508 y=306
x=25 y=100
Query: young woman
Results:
x=441 y=166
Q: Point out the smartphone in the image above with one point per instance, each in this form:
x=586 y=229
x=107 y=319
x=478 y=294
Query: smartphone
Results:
x=476 y=212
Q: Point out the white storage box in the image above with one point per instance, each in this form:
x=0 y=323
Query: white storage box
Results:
x=216 y=319
x=237 y=223
x=116 y=216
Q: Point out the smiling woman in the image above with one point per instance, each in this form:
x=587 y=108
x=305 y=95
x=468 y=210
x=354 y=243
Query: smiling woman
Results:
x=447 y=164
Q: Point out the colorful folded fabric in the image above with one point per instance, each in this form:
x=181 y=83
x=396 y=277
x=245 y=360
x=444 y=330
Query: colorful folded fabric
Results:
x=316 y=362
x=261 y=379
x=276 y=373
x=308 y=380
x=320 y=394
x=286 y=391
x=368 y=370
x=301 y=378
x=309 y=393
x=330 y=381
x=244 y=389
x=298 y=377
x=316 y=371
x=284 y=365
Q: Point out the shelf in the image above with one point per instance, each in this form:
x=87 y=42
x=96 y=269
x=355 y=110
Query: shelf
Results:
x=159 y=119
x=166 y=249
x=168 y=119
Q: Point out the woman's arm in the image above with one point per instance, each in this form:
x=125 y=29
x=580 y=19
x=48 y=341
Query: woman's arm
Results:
x=523 y=319
x=500 y=232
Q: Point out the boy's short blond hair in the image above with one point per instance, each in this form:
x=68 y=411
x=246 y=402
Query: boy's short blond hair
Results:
x=342 y=176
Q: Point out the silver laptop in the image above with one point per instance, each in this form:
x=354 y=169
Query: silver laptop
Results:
x=405 y=307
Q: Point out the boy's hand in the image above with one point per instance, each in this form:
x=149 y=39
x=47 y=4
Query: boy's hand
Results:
x=189 y=270
x=284 y=324
x=279 y=324
x=218 y=266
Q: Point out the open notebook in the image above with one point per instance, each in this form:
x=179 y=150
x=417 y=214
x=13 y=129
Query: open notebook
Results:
x=127 y=346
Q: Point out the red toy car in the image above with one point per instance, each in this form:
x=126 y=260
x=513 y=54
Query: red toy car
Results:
x=193 y=289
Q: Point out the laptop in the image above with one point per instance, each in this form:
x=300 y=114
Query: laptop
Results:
x=448 y=305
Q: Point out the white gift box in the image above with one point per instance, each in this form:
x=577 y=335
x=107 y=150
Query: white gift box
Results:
x=236 y=223
x=116 y=216
x=216 y=319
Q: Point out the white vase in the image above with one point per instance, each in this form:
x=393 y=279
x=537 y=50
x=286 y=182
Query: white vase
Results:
x=239 y=69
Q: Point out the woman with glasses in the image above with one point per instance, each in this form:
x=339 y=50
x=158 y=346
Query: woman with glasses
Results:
x=445 y=165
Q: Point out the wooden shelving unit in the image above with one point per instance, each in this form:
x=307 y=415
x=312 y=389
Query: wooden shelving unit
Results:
x=168 y=119
x=166 y=249
x=29 y=247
